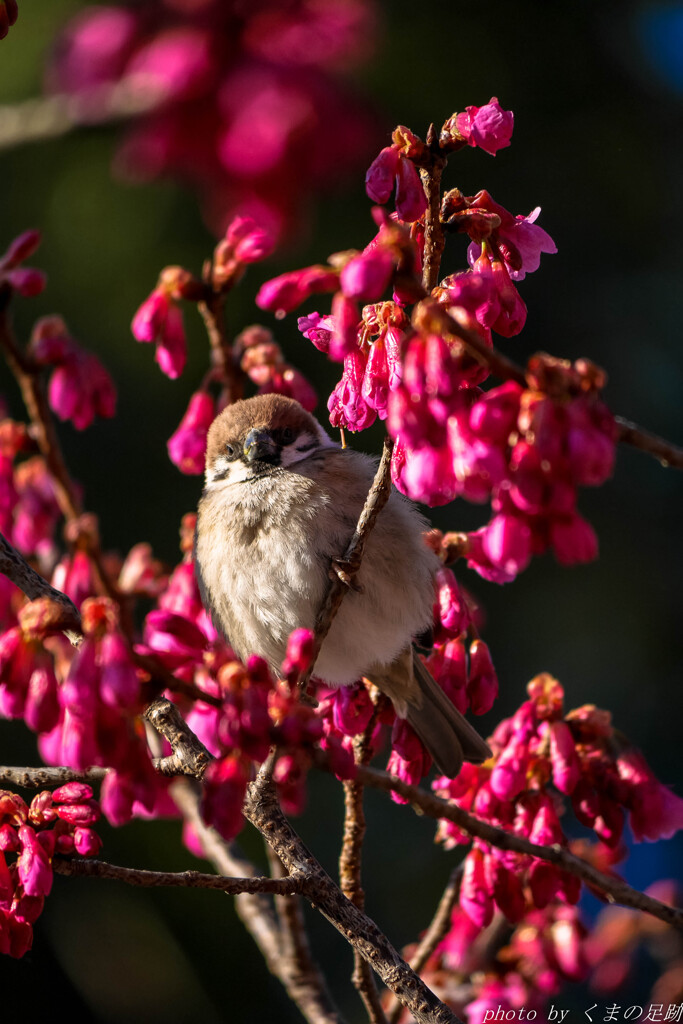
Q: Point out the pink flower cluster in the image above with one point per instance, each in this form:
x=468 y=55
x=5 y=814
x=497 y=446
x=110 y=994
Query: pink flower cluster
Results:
x=468 y=678
x=187 y=445
x=246 y=104
x=394 y=169
x=523 y=449
x=80 y=388
x=96 y=717
x=619 y=938
x=579 y=757
x=547 y=949
x=30 y=835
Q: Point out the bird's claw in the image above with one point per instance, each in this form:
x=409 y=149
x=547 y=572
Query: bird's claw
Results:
x=346 y=572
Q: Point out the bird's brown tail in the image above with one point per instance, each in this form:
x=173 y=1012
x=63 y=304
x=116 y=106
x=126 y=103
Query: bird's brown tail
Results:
x=447 y=735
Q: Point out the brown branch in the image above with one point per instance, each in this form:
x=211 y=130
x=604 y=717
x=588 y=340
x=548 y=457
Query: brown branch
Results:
x=306 y=989
x=16 y=568
x=299 y=974
x=262 y=810
x=350 y=868
x=377 y=498
x=613 y=889
x=34 y=778
x=436 y=931
x=435 y=241
x=295 y=948
x=225 y=365
x=192 y=879
x=164 y=679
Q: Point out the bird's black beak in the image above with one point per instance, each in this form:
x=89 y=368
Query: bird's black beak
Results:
x=259 y=446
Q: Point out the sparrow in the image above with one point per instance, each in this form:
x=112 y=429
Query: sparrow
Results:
x=280 y=505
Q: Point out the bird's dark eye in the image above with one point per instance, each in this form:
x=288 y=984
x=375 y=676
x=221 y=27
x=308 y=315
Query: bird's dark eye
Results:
x=230 y=451
x=287 y=435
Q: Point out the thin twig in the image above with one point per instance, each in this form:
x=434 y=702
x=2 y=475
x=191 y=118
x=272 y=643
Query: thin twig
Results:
x=434 y=235
x=613 y=889
x=225 y=359
x=665 y=452
x=295 y=947
x=306 y=989
x=28 y=376
x=350 y=868
x=377 y=498
x=192 y=879
x=436 y=931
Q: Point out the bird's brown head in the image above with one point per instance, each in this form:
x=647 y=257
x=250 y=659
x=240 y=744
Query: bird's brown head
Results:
x=259 y=435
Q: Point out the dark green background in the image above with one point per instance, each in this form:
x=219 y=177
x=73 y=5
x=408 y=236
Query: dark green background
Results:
x=598 y=144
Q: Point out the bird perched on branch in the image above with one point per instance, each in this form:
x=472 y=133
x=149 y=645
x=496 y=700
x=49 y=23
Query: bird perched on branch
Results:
x=280 y=505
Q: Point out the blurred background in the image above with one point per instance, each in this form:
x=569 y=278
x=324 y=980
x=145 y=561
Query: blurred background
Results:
x=597 y=92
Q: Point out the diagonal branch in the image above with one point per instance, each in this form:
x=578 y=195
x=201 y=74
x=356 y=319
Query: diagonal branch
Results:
x=262 y=810
x=436 y=931
x=306 y=989
x=614 y=889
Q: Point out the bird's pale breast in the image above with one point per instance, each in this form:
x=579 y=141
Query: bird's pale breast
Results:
x=263 y=553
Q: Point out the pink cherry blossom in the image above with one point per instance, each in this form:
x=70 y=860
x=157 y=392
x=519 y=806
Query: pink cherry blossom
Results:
x=187 y=446
x=299 y=655
x=392 y=167
x=488 y=127
x=160 y=320
x=283 y=294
